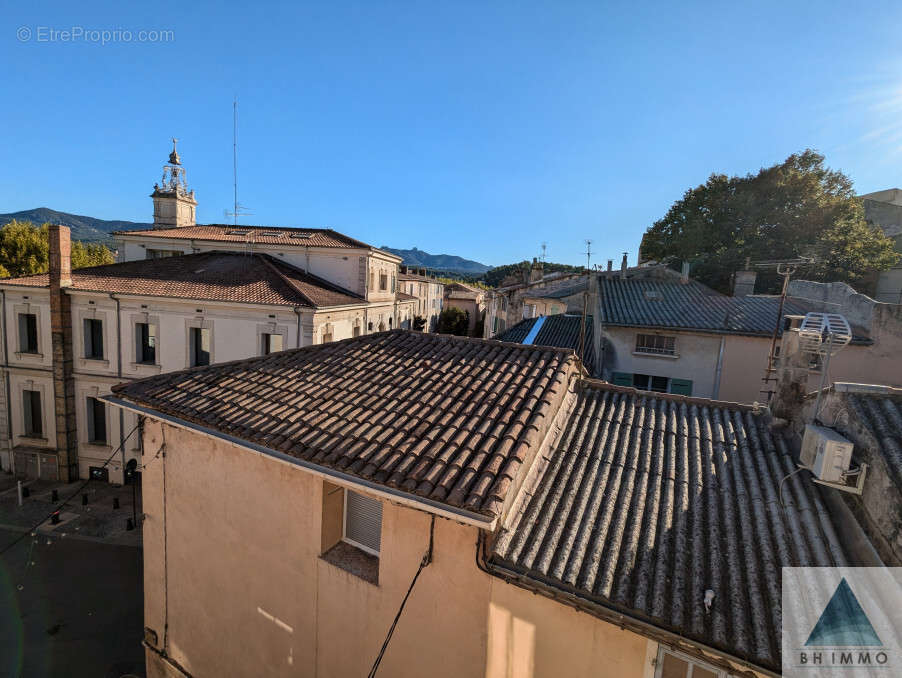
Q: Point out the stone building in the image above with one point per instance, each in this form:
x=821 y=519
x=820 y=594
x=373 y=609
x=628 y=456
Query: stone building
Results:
x=428 y=291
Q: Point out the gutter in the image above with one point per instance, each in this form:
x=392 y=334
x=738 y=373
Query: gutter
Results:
x=119 y=376
x=718 y=370
x=459 y=515
x=613 y=616
x=297 y=311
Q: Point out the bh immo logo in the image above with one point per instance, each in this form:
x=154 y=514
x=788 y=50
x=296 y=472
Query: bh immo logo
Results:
x=841 y=621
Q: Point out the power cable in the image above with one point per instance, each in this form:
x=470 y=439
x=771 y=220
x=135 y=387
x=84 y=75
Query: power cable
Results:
x=427 y=558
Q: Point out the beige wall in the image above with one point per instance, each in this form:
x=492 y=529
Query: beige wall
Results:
x=248 y=594
x=744 y=361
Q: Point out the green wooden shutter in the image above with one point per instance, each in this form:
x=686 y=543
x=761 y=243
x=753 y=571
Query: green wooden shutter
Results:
x=622 y=378
x=681 y=386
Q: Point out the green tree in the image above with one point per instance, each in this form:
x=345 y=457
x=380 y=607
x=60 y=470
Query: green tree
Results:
x=454 y=321
x=419 y=323
x=25 y=248
x=796 y=208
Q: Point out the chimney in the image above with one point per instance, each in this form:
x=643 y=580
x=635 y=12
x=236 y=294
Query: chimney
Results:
x=610 y=265
x=744 y=283
x=60 y=256
x=684 y=274
x=61 y=344
x=623 y=266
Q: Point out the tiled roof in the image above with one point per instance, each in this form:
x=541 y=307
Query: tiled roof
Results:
x=403 y=296
x=557 y=293
x=648 y=500
x=882 y=416
x=559 y=330
x=264 y=235
x=213 y=276
x=446 y=418
x=652 y=302
x=419 y=277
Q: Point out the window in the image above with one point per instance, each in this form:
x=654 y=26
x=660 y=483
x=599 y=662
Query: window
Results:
x=31 y=407
x=96 y=421
x=383 y=282
x=655 y=344
x=356 y=330
x=648 y=382
x=393 y=283
x=362 y=522
x=93 y=338
x=272 y=343
x=199 y=348
x=160 y=254
x=327 y=337
x=678 y=665
x=145 y=343
x=28 y=333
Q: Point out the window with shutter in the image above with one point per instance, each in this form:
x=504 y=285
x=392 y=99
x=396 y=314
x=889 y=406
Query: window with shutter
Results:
x=622 y=378
x=681 y=386
x=363 y=522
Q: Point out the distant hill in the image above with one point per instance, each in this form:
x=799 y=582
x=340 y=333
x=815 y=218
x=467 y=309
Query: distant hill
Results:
x=87 y=229
x=439 y=262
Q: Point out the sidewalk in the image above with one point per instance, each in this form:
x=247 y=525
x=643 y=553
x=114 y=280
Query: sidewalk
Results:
x=96 y=521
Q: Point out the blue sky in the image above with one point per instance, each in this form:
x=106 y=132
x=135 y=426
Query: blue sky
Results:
x=472 y=128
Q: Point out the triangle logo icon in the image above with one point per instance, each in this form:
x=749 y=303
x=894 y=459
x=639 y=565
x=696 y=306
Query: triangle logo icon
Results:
x=843 y=623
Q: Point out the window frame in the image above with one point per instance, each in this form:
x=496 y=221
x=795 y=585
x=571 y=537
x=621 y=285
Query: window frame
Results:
x=151 y=328
x=195 y=344
x=692 y=662
x=647 y=344
x=344 y=524
x=28 y=426
x=266 y=342
x=94 y=404
x=90 y=338
x=27 y=333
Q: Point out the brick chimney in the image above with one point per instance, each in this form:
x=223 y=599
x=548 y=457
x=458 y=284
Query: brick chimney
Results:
x=684 y=273
x=61 y=343
x=624 y=264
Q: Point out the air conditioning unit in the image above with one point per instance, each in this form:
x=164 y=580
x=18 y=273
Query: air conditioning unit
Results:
x=826 y=453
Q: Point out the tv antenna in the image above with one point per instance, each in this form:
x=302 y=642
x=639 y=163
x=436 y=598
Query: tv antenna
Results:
x=823 y=335
x=237 y=209
x=544 y=249
x=588 y=252
x=785 y=268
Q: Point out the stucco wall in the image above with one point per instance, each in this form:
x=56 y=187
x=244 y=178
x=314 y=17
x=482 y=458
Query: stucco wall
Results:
x=696 y=357
x=248 y=594
x=744 y=362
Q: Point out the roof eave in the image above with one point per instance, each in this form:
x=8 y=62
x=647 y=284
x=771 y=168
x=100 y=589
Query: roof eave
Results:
x=461 y=515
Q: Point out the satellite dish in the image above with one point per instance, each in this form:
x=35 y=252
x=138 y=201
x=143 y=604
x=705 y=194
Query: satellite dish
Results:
x=824 y=334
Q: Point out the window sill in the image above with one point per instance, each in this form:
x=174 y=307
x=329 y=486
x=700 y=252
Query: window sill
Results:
x=354 y=561
x=26 y=436
x=29 y=355
x=641 y=354
x=94 y=361
x=146 y=367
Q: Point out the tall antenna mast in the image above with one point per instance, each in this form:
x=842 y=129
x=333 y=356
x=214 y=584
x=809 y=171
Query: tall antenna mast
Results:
x=235 y=155
x=544 y=249
x=588 y=253
x=237 y=209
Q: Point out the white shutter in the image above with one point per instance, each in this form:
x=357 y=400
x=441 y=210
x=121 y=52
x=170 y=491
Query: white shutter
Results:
x=363 y=522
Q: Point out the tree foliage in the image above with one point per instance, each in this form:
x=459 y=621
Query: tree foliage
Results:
x=454 y=321
x=493 y=277
x=25 y=248
x=419 y=323
x=796 y=208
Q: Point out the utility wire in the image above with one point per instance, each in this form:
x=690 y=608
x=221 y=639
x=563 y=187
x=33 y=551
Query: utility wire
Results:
x=67 y=499
x=427 y=558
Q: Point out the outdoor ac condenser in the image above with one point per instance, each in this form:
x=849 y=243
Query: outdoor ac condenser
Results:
x=826 y=453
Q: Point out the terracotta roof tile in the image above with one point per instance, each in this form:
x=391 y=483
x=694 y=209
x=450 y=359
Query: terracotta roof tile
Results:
x=213 y=276
x=446 y=418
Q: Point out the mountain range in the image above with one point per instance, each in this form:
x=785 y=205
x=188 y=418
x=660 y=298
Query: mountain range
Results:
x=90 y=229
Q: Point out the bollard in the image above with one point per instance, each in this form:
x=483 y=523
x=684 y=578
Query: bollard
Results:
x=54 y=495
x=115 y=502
x=84 y=500
x=129 y=525
x=55 y=518
x=19 y=485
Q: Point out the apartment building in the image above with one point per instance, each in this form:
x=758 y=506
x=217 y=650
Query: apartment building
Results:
x=429 y=293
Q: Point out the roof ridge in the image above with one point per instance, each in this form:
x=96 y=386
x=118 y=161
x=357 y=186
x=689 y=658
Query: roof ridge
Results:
x=601 y=385
x=271 y=266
